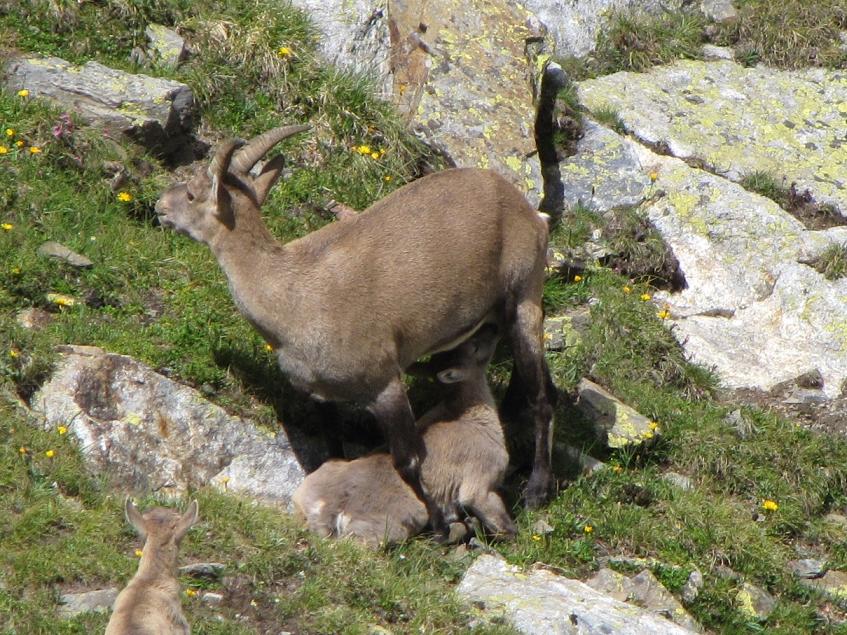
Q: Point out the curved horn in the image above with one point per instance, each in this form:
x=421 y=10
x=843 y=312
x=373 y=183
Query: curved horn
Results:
x=259 y=147
x=220 y=162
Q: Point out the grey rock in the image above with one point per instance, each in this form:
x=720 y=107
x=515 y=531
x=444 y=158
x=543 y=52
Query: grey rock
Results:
x=541 y=527
x=807 y=568
x=839 y=520
x=646 y=591
x=692 y=587
x=157 y=113
x=833 y=584
x=575 y=25
x=101 y=601
x=539 y=602
x=751 y=310
x=212 y=599
x=33 y=318
x=720 y=11
x=206 y=570
x=789 y=122
x=575 y=460
x=167 y=46
x=567 y=330
x=58 y=251
x=616 y=424
x=678 y=480
x=713 y=53
x=743 y=427
x=754 y=601
x=151 y=434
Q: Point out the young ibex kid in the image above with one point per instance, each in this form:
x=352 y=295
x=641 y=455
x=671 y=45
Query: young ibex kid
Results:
x=349 y=307
x=463 y=467
x=150 y=603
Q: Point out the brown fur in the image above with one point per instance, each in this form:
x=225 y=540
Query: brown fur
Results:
x=150 y=603
x=351 y=305
x=465 y=464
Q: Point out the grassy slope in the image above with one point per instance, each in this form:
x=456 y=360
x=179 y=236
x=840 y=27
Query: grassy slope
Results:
x=149 y=289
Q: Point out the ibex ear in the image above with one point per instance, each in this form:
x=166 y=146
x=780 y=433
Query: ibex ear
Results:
x=134 y=517
x=187 y=520
x=452 y=375
x=268 y=177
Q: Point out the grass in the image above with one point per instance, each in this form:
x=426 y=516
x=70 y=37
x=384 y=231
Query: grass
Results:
x=61 y=527
x=832 y=263
x=799 y=204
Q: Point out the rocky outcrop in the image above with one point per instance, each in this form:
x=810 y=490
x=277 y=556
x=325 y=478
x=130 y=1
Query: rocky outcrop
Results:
x=150 y=434
x=158 y=113
x=539 y=602
x=750 y=308
x=616 y=424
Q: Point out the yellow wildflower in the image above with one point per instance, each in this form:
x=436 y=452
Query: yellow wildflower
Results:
x=23 y=450
x=617 y=469
x=138 y=553
x=646 y=297
x=7 y=227
x=190 y=592
x=15 y=270
x=387 y=178
x=547 y=337
x=4 y=150
x=10 y=132
x=363 y=149
x=62 y=429
x=19 y=143
x=653 y=426
x=769 y=506
x=34 y=150
x=536 y=537
x=577 y=278
x=60 y=299
x=588 y=529
x=14 y=354
x=50 y=454
x=627 y=289
x=269 y=348
x=23 y=92
x=654 y=174
x=124 y=197
x=664 y=314
x=375 y=155
x=284 y=51
x=225 y=481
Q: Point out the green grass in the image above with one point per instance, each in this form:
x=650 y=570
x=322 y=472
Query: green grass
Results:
x=61 y=527
x=832 y=263
x=793 y=34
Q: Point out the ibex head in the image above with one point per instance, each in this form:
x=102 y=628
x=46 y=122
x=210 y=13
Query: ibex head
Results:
x=203 y=205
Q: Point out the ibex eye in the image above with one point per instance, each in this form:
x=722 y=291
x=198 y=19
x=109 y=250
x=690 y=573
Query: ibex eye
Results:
x=189 y=195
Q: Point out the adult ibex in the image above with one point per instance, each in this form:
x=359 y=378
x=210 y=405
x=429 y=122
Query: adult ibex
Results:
x=465 y=463
x=350 y=306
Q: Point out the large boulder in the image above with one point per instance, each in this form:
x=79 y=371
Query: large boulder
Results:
x=751 y=309
x=151 y=434
x=158 y=113
x=539 y=602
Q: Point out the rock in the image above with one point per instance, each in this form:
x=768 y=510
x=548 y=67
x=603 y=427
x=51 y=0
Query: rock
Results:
x=789 y=122
x=743 y=427
x=541 y=527
x=807 y=568
x=616 y=424
x=151 y=434
x=539 y=602
x=754 y=601
x=575 y=25
x=158 y=113
x=167 y=46
x=712 y=53
x=720 y=11
x=750 y=309
x=356 y=35
x=58 y=251
x=212 y=599
x=832 y=584
x=33 y=318
x=206 y=570
x=566 y=331
x=71 y=604
x=678 y=480
x=692 y=587
x=573 y=462
x=836 y=519
x=646 y=591
x=460 y=72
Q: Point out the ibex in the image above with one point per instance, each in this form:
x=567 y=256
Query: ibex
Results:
x=350 y=306
x=150 y=603
x=464 y=465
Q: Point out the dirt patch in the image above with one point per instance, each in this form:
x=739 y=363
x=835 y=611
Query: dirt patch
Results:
x=802 y=206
